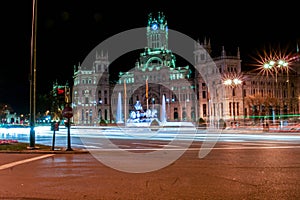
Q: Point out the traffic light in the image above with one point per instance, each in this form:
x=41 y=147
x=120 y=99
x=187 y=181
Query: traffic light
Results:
x=67 y=95
x=60 y=91
x=62 y=94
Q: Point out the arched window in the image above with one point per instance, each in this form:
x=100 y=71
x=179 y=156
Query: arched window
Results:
x=105 y=114
x=175 y=115
x=183 y=115
x=193 y=115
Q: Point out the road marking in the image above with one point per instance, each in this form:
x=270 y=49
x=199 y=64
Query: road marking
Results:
x=9 y=165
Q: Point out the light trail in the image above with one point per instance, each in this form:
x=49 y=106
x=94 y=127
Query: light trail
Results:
x=196 y=149
x=44 y=135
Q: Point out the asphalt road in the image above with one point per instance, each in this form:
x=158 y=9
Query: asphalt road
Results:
x=231 y=170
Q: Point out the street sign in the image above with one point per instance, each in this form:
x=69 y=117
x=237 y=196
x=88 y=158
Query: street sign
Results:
x=67 y=112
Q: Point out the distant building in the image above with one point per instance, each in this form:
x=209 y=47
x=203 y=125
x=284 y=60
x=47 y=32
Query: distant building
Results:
x=90 y=97
x=189 y=94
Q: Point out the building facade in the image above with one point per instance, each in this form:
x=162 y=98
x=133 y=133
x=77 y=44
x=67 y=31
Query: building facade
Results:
x=189 y=93
x=91 y=97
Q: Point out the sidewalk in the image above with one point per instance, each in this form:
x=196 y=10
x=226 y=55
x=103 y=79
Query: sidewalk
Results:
x=36 y=151
x=49 y=151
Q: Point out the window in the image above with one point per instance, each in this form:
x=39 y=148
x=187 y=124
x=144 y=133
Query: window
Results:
x=202 y=56
x=222 y=112
x=82 y=115
x=204 y=94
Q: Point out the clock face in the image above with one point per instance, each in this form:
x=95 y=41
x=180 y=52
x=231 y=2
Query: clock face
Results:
x=154 y=26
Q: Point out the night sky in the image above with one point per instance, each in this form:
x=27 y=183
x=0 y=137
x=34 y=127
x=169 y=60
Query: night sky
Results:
x=67 y=30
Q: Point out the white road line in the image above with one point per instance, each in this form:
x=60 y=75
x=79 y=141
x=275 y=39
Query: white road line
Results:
x=24 y=161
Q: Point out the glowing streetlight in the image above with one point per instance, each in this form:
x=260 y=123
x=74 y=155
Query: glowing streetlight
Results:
x=282 y=63
x=233 y=83
x=274 y=62
x=274 y=65
x=168 y=102
x=269 y=65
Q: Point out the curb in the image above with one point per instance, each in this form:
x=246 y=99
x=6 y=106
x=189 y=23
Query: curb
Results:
x=46 y=151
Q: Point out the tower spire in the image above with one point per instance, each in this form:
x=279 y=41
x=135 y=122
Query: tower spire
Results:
x=223 y=51
x=157 y=31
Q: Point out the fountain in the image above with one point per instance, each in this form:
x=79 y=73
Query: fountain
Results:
x=141 y=117
x=163 y=117
x=119 y=110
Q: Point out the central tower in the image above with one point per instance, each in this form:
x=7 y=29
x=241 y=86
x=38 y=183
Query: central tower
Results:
x=157 y=32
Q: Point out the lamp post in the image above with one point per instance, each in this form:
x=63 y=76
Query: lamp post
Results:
x=33 y=77
x=95 y=113
x=153 y=101
x=100 y=112
x=276 y=65
x=299 y=104
x=233 y=83
x=168 y=101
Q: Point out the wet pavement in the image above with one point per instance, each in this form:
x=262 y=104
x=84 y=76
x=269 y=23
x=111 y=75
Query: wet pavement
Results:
x=232 y=170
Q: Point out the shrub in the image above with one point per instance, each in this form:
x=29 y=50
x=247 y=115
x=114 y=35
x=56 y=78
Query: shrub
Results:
x=102 y=122
x=222 y=124
x=201 y=123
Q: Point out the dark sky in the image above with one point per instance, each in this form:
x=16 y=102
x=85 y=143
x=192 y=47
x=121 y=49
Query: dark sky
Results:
x=67 y=30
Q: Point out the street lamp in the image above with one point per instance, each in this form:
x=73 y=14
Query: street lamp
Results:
x=168 y=101
x=233 y=83
x=276 y=65
x=100 y=111
x=33 y=78
x=153 y=101
x=299 y=104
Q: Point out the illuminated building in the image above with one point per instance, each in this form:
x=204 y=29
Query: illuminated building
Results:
x=156 y=74
x=156 y=69
x=90 y=97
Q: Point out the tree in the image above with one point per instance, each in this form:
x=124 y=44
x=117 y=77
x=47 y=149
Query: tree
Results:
x=261 y=107
x=201 y=123
x=44 y=102
x=4 y=110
